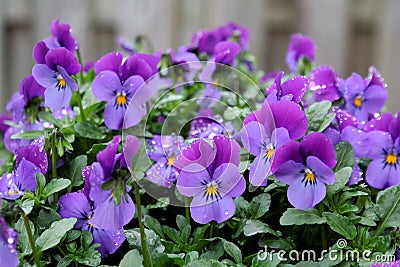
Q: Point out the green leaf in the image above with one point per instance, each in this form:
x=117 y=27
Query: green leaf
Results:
x=153 y=240
x=185 y=233
x=86 y=239
x=141 y=161
x=54 y=186
x=300 y=217
x=233 y=251
x=132 y=258
x=89 y=130
x=73 y=170
x=253 y=227
x=40 y=182
x=260 y=205
x=327 y=121
x=341 y=225
x=388 y=207
x=46 y=116
x=342 y=177
x=52 y=236
x=24 y=247
x=27 y=205
x=154 y=225
x=28 y=134
x=46 y=217
x=181 y=222
x=344 y=155
x=191 y=256
x=199 y=232
x=172 y=233
x=316 y=114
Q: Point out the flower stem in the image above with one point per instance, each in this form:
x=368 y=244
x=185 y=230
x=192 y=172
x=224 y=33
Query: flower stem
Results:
x=54 y=161
x=187 y=209
x=145 y=249
x=30 y=237
x=323 y=230
x=79 y=99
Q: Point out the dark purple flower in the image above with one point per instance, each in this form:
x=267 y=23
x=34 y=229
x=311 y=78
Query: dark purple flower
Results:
x=269 y=76
x=120 y=84
x=226 y=52
x=386 y=264
x=206 y=126
x=210 y=175
x=78 y=205
x=61 y=37
x=299 y=46
x=55 y=76
x=204 y=42
x=29 y=88
x=39 y=52
x=324 y=81
x=292 y=89
x=232 y=29
x=362 y=97
x=306 y=167
x=266 y=130
x=109 y=215
x=163 y=150
x=16 y=105
x=8 y=245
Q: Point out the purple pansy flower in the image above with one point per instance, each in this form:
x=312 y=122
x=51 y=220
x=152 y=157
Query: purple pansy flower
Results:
x=3 y=118
x=61 y=37
x=55 y=76
x=292 y=89
x=266 y=130
x=210 y=175
x=109 y=215
x=324 y=81
x=117 y=83
x=226 y=52
x=204 y=42
x=8 y=245
x=163 y=150
x=78 y=205
x=384 y=150
x=29 y=88
x=299 y=46
x=232 y=29
x=306 y=167
x=29 y=161
x=386 y=264
x=363 y=97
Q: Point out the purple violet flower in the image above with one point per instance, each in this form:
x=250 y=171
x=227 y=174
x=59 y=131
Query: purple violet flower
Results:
x=266 y=130
x=299 y=46
x=55 y=76
x=117 y=84
x=324 y=81
x=3 y=118
x=8 y=245
x=292 y=89
x=226 y=52
x=29 y=88
x=78 y=205
x=306 y=167
x=384 y=150
x=210 y=175
x=163 y=150
x=386 y=264
x=61 y=37
x=109 y=215
x=29 y=161
x=363 y=97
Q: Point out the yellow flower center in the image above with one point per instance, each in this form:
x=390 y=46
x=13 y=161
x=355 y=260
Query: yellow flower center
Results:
x=270 y=153
x=391 y=159
x=212 y=189
x=121 y=99
x=357 y=101
x=171 y=160
x=61 y=83
x=215 y=83
x=309 y=176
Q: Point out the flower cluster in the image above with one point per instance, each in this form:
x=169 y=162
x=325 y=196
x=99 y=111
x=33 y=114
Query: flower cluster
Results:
x=194 y=128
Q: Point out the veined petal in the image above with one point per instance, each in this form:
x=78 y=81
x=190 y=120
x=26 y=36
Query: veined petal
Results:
x=305 y=197
x=114 y=116
x=109 y=240
x=192 y=182
x=260 y=169
x=105 y=85
x=55 y=98
x=75 y=205
x=110 y=62
x=322 y=172
x=70 y=82
x=253 y=135
x=230 y=181
x=318 y=145
x=381 y=177
x=378 y=141
x=106 y=157
x=290 y=172
x=199 y=152
x=44 y=75
x=289 y=151
x=25 y=175
x=203 y=212
x=133 y=83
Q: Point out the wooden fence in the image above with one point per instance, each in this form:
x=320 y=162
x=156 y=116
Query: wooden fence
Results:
x=351 y=35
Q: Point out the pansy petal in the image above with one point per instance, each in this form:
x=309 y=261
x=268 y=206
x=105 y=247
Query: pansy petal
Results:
x=192 y=182
x=25 y=175
x=380 y=176
x=44 y=75
x=231 y=182
x=252 y=136
x=114 y=116
x=162 y=174
x=64 y=58
x=323 y=172
x=305 y=197
x=375 y=98
x=131 y=146
x=39 y=52
x=8 y=257
x=75 y=205
x=296 y=86
x=106 y=156
x=105 y=85
x=219 y=211
x=289 y=151
x=380 y=123
x=55 y=98
x=133 y=83
x=290 y=172
x=358 y=139
x=109 y=240
x=289 y=115
x=199 y=152
x=107 y=215
x=394 y=128
x=228 y=151
x=260 y=169
x=70 y=82
x=35 y=154
x=378 y=141
x=110 y=62
x=318 y=145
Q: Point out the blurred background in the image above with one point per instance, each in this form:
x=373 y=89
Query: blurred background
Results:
x=351 y=35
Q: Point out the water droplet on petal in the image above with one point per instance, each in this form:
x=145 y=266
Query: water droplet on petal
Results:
x=226 y=212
